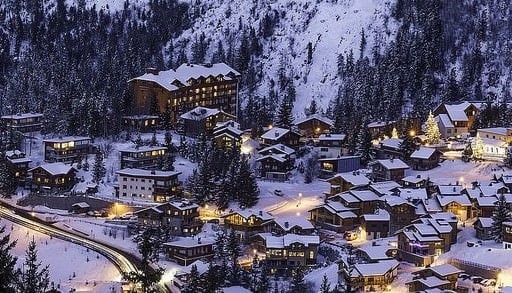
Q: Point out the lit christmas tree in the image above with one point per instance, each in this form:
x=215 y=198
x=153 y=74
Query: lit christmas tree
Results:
x=478 y=149
x=394 y=133
x=432 y=130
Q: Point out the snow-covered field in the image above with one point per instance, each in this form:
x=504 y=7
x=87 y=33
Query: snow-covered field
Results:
x=93 y=272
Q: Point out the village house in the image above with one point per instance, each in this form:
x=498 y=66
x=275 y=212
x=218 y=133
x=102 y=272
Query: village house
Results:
x=24 y=123
x=442 y=277
x=460 y=205
x=158 y=186
x=80 y=208
x=361 y=201
x=246 y=222
x=17 y=162
x=202 y=121
x=53 y=177
x=375 y=252
x=289 y=225
x=276 y=135
x=376 y=225
x=507 y=235
x=69 y=149
x=313 y=126
x=425 y=158
x=189 y=86
x=401 y=211
x=379 y=128
x=290 y=250
x=334 y=216
x=331 y=166
x=330 y=145
x=483 y=206
x=143 y=157
x=180 y=218
x=384 y=187
x=187 y=250
x=389 y=149
x=391 y=169
x=483 y=228
x=345 y=181
x=369 y=277
x=455 y=120
x=415 y=181
x=497 y=133
x=227 y=135
x=274 y=167
x=280 y=150
x=141 y=123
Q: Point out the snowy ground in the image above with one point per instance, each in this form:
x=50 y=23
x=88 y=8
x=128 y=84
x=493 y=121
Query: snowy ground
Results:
x=66 y=259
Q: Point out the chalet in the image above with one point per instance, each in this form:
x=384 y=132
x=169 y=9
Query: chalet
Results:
x=280 y=150
x=227 y=135
x=277 y=135
x=334 y=216
x=143 y=157
x=376 y=225
x=361 y=201
x=379 y=128
x=392 y=169
x=401 y=211
x=425 y=158
x=53 y=176
x=80 y=208
x=483 y=228
x=497 y=133
x=493 y=148
x=290 y=250
x=179 y=217
x=421 y=242
x=507 y=235
x=275 y=167
x=246 y=222
x=289 y=225
x=345 y=181
x=389 y=148
x=331 y=166
x=483 y=206
x=187 y=250
x=442 y=277
x=158 y=186
x=384 y=187
x=17 y=162
x=415 y=182
x=202 y=121
x=330 y=145
x=313 y=125
x=460 y=205
x=189 y=86
x=369 y=277
x=455 y=120
x=24 y=123
x=69 y=149
x=376 y=252
x=141 y=123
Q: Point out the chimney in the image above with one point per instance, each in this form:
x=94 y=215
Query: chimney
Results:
x=261 y=213
x=391 y=160
x=426 y=201
x=199 y=240
x=481 y=194
x=152 y=70
x=456 y=183
x=286 y=224
x=276 y=134
x=208 y=65
x=153 y=172
x=418 y=176
x=282 y=147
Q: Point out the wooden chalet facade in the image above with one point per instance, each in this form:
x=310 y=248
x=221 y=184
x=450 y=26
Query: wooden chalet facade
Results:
x=290 y=250
x=289 y=225
x=69 y=149
x=141 y=123
x=506 y=231
x=360 y=201
x=456 y=119
x=369 y=277
x=179 y=218
x=274 y=167
x=189 y=86
x=345 y=181
x=443 y=277
x=334 y=216
x=24 y=123
x=425 y=158
x=313 y=126
x=388 y=170
x=17 y=162
x=53 y=177
x=483 y=228
x=330 y=145
x=144 y=157
x=246 y=223
x=401 y=212
x=202 y=121
x=277 y=135
x=227 y=135
x=331 y=166
x=186 y=251
x=158 y=186
x=376 y=225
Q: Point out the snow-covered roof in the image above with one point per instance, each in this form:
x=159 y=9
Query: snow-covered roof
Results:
x=445 y=269
x=392 y=164
x=432 y=206
x=14 y=153
x=406 y=193
x=423 y=153
x=496 y=130
x=456 y=112
x=354 y=179
x=450 y=189
x=22 y=116
x=376 y=252
x=314 y=116
x=235 y=289
x=275 y=133
x=485 y=222
x=430 y=282
x=413 y=179
x=348 y=197
x=332 y=136
x=445 y=120
x=264 y=216
x=141 y=117
x=146 y=173
x=144 y=148
x=190 y=242
x=277 y=157
x=19 y=160
x=393 y=143
x=393 y=200
x=379 y=124
x=279 y=148
x=375 y=269
x=382 y=215
x=337 y=206
x=293 y=221
x=199 y=113
x=186 y=72
x=384 y=187
x=494 y=142
x=67 y=139
x=55 y=168
x=182 y=205
x=285 y=241
x=224 y=129
x=486 y=201
x=463 y=200
x=445 y=216
x=365 y=195
x=82 y=205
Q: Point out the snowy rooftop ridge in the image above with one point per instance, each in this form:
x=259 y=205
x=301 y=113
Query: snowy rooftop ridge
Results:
x=66 y=139
x=146 y=173
x=22 y=116
x=313 y=116
x=275 y=133
x=423 y=153
x=284 y=241
x=55 y=168
x=392 y=164
x=280 y=148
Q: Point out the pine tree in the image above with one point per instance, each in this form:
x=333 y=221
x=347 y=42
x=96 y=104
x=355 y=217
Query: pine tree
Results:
x=153 y=141
x=478 y=148
x=234 y=252
x=247 y=191
x=364 y=145
x=432 y=130
x=8 y=273
x=193 y=281
x=467 y=154
x=99 y=170
x=325 y=287
x=284 y=117
x=501 y=214
x=33 y=278
x=310 y=53
x=297 y=284
x=7 y=178
x=312 y=167
x=407 y=147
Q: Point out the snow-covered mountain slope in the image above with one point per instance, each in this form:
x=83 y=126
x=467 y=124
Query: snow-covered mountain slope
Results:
x=333 y=27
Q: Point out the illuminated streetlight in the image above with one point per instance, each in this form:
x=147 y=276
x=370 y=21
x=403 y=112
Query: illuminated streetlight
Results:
x=298 y=214
x=412 y=132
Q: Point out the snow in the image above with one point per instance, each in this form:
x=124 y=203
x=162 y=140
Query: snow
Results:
x=55 y=168
x=445 y=120
x=376 y=252
x=354 y=179
x=199 y=113
x=456 y=112
x=22 y=116
x=146 y=173
x=393 y=143
x=316 y=276
x=485 y=222
x=235 y=289
x=286 y=240
x=382 y=215
x=279 y=148
x=293 y=221
x=332 y=136
x=432 y=281
x=144 y=148
x=311 y=117
x=392 y=164
x=496 y=130
x=274 y=133
x=279 y=158
x=447 y=199
x=375 y=269
x=423 y=153
x=67 y=139
x=190 y=242
x=445 y=269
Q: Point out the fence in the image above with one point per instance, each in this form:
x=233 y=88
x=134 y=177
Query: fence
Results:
x=475 y=269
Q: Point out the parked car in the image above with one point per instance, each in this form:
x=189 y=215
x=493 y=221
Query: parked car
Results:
x=476 y=279
x=278 y=192
x=464 y=276
x=488 y=283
